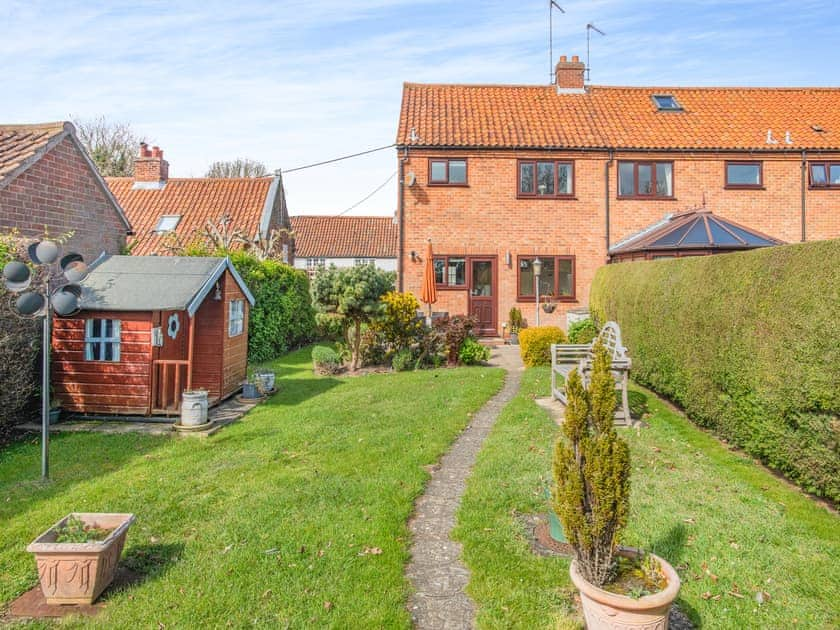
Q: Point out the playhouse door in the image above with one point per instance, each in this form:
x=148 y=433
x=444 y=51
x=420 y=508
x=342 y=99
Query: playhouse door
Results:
x=169 y=363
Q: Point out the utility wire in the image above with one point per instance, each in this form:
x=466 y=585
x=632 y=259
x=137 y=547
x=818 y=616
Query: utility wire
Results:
x=338 y=159
x=376 y=190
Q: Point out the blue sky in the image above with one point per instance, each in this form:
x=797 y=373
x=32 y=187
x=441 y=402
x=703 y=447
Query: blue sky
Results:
x=294 y=82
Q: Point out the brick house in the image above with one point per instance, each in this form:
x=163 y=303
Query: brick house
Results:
x=48 y=179
x=167 y=212
x=497 y=175
x=321 y=241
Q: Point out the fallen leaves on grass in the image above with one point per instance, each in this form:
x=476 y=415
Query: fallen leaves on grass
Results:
x=371 y=551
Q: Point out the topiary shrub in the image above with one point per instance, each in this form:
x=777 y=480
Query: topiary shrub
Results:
x=592 y=472
x=535 y=344
x=583 y=331
x=472 y=352
x=515 y=320
x=326 y=360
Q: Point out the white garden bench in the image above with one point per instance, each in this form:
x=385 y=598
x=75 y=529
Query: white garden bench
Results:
x=566 y=357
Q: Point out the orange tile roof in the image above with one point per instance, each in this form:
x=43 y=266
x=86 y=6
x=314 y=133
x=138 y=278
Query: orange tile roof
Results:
x=21 y=143
x=196 y=201
x=345 y=237
x=514 y=116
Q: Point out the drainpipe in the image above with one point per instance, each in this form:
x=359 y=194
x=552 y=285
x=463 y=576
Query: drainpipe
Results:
x=401 y=237
x=607 y=165
x=802 y=184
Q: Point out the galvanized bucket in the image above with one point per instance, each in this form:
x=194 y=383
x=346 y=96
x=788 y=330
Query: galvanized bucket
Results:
x=194 y=408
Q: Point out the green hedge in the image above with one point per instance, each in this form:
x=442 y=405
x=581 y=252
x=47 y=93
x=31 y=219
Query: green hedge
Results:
x=747 y=343
x=282 y=317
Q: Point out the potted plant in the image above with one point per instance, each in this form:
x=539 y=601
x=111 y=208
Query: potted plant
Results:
x=77 y=557
x=55 y=409
x=619 y=587
x=264 y=381
x=548 y=306
x=515 y=325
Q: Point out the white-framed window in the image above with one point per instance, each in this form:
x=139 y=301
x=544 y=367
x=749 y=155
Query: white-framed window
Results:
x=314 y=264
x=102 y=340
x=358 y=262
x=167 y=223
x=236 y=321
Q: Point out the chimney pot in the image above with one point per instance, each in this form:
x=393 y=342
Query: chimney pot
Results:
x=575 y=59
x=563 y=58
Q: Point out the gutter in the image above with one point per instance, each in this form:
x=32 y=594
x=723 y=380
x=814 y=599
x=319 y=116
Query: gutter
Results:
x=607 y=166
x=802 y=186
x=401 y=229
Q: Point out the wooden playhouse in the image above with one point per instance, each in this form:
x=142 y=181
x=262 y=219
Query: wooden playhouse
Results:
x=149 y=328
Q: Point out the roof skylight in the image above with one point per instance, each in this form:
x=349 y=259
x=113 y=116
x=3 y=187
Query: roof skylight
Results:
x=666 y=103
x=167 y=223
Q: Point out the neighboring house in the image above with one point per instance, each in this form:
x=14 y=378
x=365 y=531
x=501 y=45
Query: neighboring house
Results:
x=498 y=175
x=48 y=179
x=321 y=241
x=166 y=212
x=149 y=328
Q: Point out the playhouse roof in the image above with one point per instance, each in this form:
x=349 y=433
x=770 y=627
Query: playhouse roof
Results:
x=154 y=283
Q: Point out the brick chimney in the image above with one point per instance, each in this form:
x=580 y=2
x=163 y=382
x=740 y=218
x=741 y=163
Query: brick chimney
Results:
x=149 y=165
x=569 y=74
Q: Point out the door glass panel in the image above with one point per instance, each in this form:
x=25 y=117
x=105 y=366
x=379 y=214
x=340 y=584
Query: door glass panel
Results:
x=645 y=179
x=482 y=278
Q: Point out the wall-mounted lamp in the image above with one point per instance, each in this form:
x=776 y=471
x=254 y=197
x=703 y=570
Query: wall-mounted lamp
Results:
x=413 y=256
x=508 y=259
x=218 y=295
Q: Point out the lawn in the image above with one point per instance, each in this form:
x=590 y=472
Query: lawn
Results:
x=294 y=517
x=730 y=527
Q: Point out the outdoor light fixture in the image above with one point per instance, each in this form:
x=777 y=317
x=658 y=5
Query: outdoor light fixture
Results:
x=413 y=256
x=42 y=302
x=537 y=271
x=508 y=259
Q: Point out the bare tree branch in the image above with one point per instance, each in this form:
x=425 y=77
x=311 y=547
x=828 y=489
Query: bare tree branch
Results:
x=112 y=145
x=240 y=167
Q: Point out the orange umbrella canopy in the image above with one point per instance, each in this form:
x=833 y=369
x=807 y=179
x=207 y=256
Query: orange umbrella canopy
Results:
x=428 y=293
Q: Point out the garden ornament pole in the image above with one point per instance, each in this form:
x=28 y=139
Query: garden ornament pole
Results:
x=537 y=270
x=45 y=386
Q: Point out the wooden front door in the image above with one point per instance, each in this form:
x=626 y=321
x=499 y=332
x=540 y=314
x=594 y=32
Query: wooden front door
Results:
x=482 y=288
x=169 y=362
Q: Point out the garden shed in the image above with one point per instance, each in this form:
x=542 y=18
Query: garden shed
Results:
x=149 y=328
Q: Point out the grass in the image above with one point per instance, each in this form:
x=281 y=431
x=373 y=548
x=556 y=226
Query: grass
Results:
x=728 y=525
x=294 y=517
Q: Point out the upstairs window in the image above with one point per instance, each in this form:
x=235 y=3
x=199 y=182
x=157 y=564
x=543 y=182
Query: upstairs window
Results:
x=361 y=262
x=825 y=174
x=236 y=319
x=743 y=175
x=102 y=340
x=646 y=179
x=545 y=179
x=450 y=271
x=448 y=172
x=666 y=103
x=167 y=223
x=557 y=277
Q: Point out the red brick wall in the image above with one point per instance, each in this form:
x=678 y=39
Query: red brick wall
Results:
x=486 y=218
x=60 y=191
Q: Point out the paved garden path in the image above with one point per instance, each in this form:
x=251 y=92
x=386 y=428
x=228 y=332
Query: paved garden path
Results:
x=435 y=570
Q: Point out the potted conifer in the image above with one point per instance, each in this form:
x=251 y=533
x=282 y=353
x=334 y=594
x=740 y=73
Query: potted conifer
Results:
x=515 y=322
x=619 y=587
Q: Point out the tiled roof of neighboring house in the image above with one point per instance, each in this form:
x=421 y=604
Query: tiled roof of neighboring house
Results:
x=196 y=201
x=514 y=116
x=345 y=237
x=21 y=146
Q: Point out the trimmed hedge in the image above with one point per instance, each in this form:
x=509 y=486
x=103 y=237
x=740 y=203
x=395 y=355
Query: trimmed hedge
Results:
x=535 y=344
x=747 y=343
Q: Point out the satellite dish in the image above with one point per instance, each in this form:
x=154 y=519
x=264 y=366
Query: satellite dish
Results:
x=411 y=179
x=47 y=252
x=76 y=270
x=17 y=276
x=30 y=304
x=65 y=301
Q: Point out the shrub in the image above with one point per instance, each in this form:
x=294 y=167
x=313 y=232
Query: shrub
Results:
x=535 y=344
x=454 y=330
x=592 y=472
x=583 y=331
x=326 y=360
x=372 y=350
x=515 y=320
x=473 y=352
x=746 y=343
x=403 y=360
x=399 y=323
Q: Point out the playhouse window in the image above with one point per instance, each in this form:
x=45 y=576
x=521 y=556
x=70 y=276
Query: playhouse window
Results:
x=102 y=340
x=236 y=321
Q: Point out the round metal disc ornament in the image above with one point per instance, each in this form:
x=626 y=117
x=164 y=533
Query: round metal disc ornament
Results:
x=76 y=271
x=65 y=302
x=17 y=276
x=30 y=303
x=47 y=252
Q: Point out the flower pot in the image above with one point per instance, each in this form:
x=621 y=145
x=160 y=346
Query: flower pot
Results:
x=603 y=610
x=76 y=573
x=264 y=381
x=549 y=308
x=55 y=415
x=249 y=390
x=194 y=408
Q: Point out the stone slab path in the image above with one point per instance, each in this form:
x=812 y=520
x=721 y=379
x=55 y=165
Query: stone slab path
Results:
x=435 y=570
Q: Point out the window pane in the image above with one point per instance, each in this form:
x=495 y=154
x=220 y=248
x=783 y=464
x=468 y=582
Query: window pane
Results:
x=438 y=171
x=457 y=172
x=440 y=263
x=526 y=277
x=743 y=174
x=645 y=179
x=96 y=328
x=526 y=178
x=818 y=175
x=564 y=279
x=545 y=178
x=94 y=350
x=109 y=352
x=457 y=275
x=834 y=174
x=107 y=328
x=664 y=186
x=625 y=178
x=547 y=277
x=564 y=179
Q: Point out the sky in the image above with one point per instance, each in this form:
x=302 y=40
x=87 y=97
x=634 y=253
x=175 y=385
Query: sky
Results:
x=290 y=83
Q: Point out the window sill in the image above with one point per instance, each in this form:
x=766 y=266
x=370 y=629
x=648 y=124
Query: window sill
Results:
x=529 y=299
x=446 y=287
x=548 y=197
x=644 y=198
x=744 y=187
x=445 y=185
x=835 y=187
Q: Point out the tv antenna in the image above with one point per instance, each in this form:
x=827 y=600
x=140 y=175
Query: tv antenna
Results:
x=589 y=28
x=551 y=6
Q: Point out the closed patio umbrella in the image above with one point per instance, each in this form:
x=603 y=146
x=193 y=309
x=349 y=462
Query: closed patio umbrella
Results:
x=428 y=292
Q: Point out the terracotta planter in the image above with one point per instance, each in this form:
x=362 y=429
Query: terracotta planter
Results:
x=76 y=573
x=603 y=610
